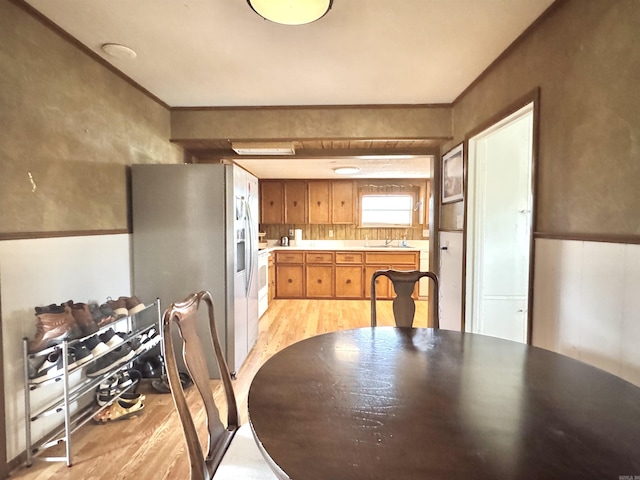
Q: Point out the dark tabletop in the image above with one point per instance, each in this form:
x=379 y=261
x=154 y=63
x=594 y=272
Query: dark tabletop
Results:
x=389 y=403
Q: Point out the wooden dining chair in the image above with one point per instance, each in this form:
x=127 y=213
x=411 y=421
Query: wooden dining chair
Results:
x=404 y=307
x=232 y=452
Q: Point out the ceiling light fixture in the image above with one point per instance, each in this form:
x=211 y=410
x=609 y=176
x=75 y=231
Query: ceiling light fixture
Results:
x=263 y=148
x=118 y=51
x=291 y=12
x=346 y=170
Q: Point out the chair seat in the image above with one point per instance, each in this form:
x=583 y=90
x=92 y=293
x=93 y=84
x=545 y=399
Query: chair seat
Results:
x=243 y=460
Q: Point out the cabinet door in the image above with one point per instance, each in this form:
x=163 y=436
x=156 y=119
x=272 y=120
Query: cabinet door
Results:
x=349 y=281
x=319 y=281
x=319 y=199
x=295 y=196
x=342 y=195
x=383 y=284
x=289 y=281
x=271 y=202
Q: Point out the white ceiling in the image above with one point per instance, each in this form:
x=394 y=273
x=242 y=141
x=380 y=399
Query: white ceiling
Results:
x=211 y=53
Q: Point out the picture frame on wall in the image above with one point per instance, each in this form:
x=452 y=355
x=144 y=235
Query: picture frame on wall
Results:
x=453 y=175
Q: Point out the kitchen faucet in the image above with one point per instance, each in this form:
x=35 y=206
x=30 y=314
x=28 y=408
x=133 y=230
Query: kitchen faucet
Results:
x=388 y=242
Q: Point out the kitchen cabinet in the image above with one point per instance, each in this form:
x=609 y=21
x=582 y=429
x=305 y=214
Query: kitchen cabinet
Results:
x=342 y=201
x=290 y=274
x=319 y=274
x=320 y=202
x=295 y=199
x=349 y=275
x=271 y=202
x=339 y=274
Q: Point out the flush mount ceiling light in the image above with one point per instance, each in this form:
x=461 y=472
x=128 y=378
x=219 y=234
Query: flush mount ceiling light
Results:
x=346 y=170
x=263 y=148
x=118 y=51
x=291 y=12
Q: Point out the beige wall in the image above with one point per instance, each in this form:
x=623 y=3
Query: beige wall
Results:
x=74 y=126
x=585 y=58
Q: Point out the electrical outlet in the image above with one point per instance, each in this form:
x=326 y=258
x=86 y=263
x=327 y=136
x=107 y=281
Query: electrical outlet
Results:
x=330 y=233
x=425 y=233
x=291 y=232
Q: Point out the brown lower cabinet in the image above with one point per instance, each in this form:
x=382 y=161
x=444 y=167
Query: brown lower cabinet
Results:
x=339 y=274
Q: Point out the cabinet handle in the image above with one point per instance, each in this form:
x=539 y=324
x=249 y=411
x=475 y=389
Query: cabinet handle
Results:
x=290 y=281
x=319 y=280
x=295 y=203
x=348 y=281
x=342 y=203
x=319 y=203
x=271 y=203
x=348 y=258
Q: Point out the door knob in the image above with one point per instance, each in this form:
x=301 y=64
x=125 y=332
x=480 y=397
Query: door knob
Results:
x=444 y=248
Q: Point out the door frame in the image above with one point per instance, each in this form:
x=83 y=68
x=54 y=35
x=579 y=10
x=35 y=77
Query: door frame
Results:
x=531 y=97
x=4 y=466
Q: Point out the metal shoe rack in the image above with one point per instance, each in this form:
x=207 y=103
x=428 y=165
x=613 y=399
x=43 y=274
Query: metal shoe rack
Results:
x=73 y=393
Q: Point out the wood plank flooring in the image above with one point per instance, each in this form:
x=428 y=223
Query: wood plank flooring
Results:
x=151 y=446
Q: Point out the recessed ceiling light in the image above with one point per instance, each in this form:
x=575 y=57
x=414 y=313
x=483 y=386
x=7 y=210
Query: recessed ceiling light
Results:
x=118 y=51
x=346 y=170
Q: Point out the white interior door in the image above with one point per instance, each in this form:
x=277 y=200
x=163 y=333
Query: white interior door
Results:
x=450 y=299
x=499 y=214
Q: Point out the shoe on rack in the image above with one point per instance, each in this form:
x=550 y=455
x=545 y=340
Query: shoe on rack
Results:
x=118 y=306
x=117 y=383
x=111 y=338
x=134 y=305
x=79 y=355
x=51 y=368
x=52 y=328
x=124 y=353
x=95 y=346
x=101 y=317
x=105 y=363
x=84 y=319
x=148 y=340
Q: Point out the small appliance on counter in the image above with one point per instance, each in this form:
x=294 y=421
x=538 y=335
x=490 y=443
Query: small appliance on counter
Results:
x=284 y=241
x=261 y=243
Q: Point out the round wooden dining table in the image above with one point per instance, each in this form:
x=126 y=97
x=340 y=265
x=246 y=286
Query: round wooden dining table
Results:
x=398 y=403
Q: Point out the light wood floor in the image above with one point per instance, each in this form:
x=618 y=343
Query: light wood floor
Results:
x=151 y=446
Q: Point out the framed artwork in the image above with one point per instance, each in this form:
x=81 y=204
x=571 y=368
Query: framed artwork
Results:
x=452 y=175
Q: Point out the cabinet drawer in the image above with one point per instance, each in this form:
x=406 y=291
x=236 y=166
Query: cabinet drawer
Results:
x=319 y=257
x=289 y=257
x=349 y=257
x=408 y=258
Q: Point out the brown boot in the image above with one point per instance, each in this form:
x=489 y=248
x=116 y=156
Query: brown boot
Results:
x=51 y=329
x=84 y=319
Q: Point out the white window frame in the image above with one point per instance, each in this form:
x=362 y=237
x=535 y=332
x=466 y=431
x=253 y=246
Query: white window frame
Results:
x=382 y=224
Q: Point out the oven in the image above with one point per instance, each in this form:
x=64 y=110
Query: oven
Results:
x=263 y=282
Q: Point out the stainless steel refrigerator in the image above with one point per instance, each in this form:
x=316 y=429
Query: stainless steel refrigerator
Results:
x=195 y=227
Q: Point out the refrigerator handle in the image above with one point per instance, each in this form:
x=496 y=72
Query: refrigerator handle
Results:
x=249 y=222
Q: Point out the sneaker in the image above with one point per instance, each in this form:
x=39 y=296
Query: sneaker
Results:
x=124 y=353
x=100 y=317
x=79 y=355
x=134 y=305
x=111 y=338
x=51 y=368
x=105 y=363
x=95 y=346
x=119 y=306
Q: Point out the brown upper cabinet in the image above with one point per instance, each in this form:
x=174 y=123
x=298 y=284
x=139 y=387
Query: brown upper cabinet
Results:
x=317 y=202
x=342 y=200
x=295 y=198
x=271 y=202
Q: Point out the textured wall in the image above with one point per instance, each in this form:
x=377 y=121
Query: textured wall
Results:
x=585 y=58
x=313 y=122
x=74 y=126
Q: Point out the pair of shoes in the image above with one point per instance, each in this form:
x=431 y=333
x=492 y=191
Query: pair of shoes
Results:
x=79 y=355
x=113 y=359
x=125 y=306
x=102 y=314
x=52 y=367
x=112 y=386
x=55 y=323
x=84 y=319
x=150 y=367
x=121 y=409
x=145 y=342
x=161 y=385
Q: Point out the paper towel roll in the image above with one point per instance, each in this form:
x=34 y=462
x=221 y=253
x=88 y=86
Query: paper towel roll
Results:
x=298 y=235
